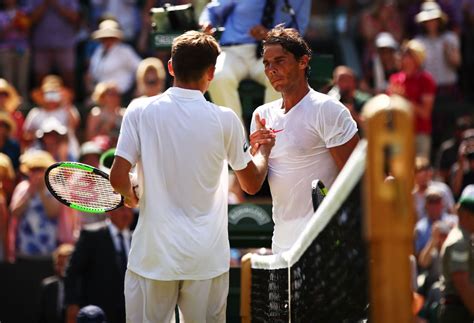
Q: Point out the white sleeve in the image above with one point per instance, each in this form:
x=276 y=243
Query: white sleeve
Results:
x=128 y=145
x=335 y=124
x=237 y=148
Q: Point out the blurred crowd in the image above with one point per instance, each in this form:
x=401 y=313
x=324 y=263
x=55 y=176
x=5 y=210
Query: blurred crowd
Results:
x=69 y=69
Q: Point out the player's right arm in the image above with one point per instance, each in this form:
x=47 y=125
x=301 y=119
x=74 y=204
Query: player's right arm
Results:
x=262 y=141
x=251 y=178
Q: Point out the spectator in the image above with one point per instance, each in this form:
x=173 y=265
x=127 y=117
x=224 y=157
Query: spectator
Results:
x=435 y=212
x=112 y=61
x=91 y=153
x=8 y=145
x=423 y=180
x=14 y=45
x=383 y=64
x=52 y=288
x=54 y=38
x=54 y=101
x=443 y=58
x=35 y=208
x=9 y=103
x=125 y=12
x=246 y=23
x=381 y=16
x=457 y=304
x=345 y=90
x=7 y=179
x=418 y=86
x=106 y=117
x=151 y=77
x=97 y=267
x=447 y=154
x=463 y=170
x=53 y=137
x=429 y=261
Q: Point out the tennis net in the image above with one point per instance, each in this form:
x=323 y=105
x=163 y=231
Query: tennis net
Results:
x=324 y=276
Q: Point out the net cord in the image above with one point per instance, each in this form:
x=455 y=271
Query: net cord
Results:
x=341 y=188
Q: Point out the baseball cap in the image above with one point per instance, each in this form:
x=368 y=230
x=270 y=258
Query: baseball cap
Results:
x=386 y=40
x=91 y=148
x=467 y=198
x=91 y=314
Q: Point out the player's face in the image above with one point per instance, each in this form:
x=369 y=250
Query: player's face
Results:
x=281 y=68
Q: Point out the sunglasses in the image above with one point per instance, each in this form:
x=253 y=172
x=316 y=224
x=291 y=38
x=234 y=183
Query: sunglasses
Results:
x=152 y=81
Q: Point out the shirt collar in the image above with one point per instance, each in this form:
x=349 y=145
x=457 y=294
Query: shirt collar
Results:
x=185 y=93
x=114 y=230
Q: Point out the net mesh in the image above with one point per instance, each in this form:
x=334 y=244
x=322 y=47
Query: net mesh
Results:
x=329 y=281
x=84 y=188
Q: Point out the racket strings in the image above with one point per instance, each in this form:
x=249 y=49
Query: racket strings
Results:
x=83 y=188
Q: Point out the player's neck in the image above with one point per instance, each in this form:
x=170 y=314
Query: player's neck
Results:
x=200 y=85
x=293 y=96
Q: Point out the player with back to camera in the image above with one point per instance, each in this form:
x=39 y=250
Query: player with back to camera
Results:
x=182 y=146
x=315 y=134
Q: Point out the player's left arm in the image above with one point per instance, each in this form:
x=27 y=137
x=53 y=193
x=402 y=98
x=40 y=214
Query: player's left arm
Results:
x=341 y=153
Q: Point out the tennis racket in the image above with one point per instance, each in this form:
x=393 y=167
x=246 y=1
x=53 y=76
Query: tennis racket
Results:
x=82 y=187
x=318 y=193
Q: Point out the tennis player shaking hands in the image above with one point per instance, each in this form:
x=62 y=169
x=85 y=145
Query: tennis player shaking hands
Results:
x=315 y=134
x=182 y=146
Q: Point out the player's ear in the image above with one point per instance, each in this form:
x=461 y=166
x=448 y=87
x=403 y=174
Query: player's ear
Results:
x=303 y=62
x=210 y=73
x=170 y=67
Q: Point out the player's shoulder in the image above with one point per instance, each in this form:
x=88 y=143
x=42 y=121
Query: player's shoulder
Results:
x=457 y=240
x=143 y=102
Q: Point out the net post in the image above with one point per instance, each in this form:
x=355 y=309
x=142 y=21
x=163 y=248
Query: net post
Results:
x=390 y=214
x=245 y=288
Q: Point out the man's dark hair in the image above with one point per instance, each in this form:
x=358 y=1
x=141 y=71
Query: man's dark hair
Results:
x=291 y=41
x=192 y=53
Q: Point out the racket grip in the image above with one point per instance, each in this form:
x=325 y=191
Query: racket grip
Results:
x=318 y=192
x=134 y=182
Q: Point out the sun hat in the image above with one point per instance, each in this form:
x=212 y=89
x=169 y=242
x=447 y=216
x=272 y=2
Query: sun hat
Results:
x=51 y=125
x=108 y=29
x=100 y=90
x=386 y=40
x=51 y=89
x=6 y=166
x=14 y=99
x=6 y=117
x=35 y=159
x=430 y=10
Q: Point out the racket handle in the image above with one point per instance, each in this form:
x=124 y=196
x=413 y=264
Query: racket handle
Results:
x=318 y=192
x=134 y=181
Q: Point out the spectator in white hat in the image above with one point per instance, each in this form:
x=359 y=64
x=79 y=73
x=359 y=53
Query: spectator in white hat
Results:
x=384 y=63
x=113 y=60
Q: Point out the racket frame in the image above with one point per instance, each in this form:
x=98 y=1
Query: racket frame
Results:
x=84 y=167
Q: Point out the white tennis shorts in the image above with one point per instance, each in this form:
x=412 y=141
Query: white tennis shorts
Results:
x=148 y=300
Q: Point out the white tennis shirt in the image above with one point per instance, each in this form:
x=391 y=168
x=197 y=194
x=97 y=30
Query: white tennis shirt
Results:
x=301 y=155
x=182 y=146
